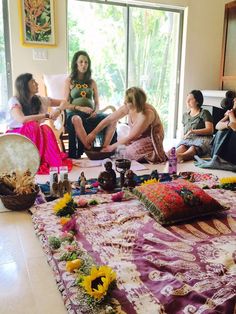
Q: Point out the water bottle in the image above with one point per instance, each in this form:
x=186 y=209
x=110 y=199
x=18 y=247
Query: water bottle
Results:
x=172 y=161
x=121 y=152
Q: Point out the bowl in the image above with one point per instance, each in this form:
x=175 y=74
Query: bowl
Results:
x=19 y=202
x=96 y=154
x=123 y=164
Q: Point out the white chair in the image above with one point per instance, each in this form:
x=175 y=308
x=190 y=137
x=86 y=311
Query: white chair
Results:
x=54 y=88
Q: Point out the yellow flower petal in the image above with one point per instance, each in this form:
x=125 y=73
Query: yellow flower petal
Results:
x=228 y=180
x=97 y=283
x=72 y=265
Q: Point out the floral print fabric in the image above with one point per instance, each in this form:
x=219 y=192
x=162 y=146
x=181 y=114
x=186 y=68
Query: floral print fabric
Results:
x=176 y=201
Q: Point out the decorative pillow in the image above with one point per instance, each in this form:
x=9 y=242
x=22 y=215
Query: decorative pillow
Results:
x=176 y=201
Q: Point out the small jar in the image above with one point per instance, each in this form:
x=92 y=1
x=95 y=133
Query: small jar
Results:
x=63 y=170
x=53 y=177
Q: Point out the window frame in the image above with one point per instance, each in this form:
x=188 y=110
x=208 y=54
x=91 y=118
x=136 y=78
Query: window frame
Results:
x=5 y=13
x=161 y=7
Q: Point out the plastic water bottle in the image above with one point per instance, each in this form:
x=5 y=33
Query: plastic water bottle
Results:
x=121 y=152
x=172 y=161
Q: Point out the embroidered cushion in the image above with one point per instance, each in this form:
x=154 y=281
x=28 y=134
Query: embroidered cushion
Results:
x=176 y=201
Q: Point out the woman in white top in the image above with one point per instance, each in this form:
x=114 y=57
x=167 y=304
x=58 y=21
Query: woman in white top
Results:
x=27 y=112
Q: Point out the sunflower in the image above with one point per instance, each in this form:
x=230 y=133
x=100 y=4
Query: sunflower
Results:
x=150 y=181
x=97 y=283
x=228 y=180
x=65 y=206
x=83 y=93
x=85 y=86
x=78 y=85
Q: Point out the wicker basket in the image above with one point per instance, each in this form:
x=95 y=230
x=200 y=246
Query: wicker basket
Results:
x=19 y=202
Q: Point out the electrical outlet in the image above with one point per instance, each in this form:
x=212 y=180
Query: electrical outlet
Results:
x=40 y=54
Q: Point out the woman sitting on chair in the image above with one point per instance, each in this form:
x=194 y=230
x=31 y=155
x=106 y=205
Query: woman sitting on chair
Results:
x=145 y=139
x=82 y=93
x=27 y=112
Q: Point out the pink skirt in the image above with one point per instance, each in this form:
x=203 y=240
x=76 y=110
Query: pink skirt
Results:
x=44 y=139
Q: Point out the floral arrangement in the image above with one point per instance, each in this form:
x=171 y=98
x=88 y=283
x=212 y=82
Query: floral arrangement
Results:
x=117 y=197
x=150 y=181
x=227 y=183
x=228 y=180
x=98 y=282
x=65 y=206
x=94 y=282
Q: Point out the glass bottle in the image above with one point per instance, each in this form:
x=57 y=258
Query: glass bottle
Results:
x=172 y=161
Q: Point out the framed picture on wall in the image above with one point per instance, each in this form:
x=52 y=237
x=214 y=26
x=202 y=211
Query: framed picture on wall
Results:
x=37 y=23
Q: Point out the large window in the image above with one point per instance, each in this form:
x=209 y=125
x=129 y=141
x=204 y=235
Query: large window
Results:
x=130 y=45
x=5 y=68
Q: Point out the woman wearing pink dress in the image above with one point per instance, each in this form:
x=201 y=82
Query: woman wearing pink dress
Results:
x=27 y=113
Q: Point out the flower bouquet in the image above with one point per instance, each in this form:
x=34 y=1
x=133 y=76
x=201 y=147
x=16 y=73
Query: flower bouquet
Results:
x=98 y=282
x=94 y=282
x=65 y=206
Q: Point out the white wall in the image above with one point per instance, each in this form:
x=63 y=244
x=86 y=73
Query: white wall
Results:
x=202 y=44
x=22 y=57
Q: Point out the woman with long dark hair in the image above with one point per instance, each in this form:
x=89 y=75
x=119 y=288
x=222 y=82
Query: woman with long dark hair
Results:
x=198 y=129
x=223 y=154
x=82 y=93
x=27 y=112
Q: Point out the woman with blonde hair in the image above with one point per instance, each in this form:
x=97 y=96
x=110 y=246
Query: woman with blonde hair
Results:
x=144 y=142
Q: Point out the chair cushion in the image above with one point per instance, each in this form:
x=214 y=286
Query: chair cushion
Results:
x=176 y=201
x=55 y=85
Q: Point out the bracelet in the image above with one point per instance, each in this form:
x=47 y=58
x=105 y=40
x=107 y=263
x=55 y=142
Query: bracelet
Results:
x=47 y=115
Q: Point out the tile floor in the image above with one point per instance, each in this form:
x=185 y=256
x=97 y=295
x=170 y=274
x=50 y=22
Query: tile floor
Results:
x=27 y=285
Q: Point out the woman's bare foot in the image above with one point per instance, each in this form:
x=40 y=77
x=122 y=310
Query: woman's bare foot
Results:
x=180 y=158
x=87 y=145
x=233 y=126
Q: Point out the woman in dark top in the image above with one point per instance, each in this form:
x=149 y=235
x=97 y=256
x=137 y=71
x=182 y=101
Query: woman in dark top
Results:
x=198 y=129
x=83 y=114
x=223 y=149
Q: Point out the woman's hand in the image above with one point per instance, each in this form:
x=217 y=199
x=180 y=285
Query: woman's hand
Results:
x=64 y=105
x=187 y=135
x=93 y=114
x=55 y=114
x=232 y=117
x=87 y=110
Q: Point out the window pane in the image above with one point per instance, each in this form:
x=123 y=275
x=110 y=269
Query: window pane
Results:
x=3 y=76
x=99 y=29
x=153 y=53
x=149 y=58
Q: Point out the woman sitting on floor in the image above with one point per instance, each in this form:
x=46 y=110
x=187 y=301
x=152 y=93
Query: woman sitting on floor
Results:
x=145 y=138
x=198 y=129
x=223 y=150
x=27 y=112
